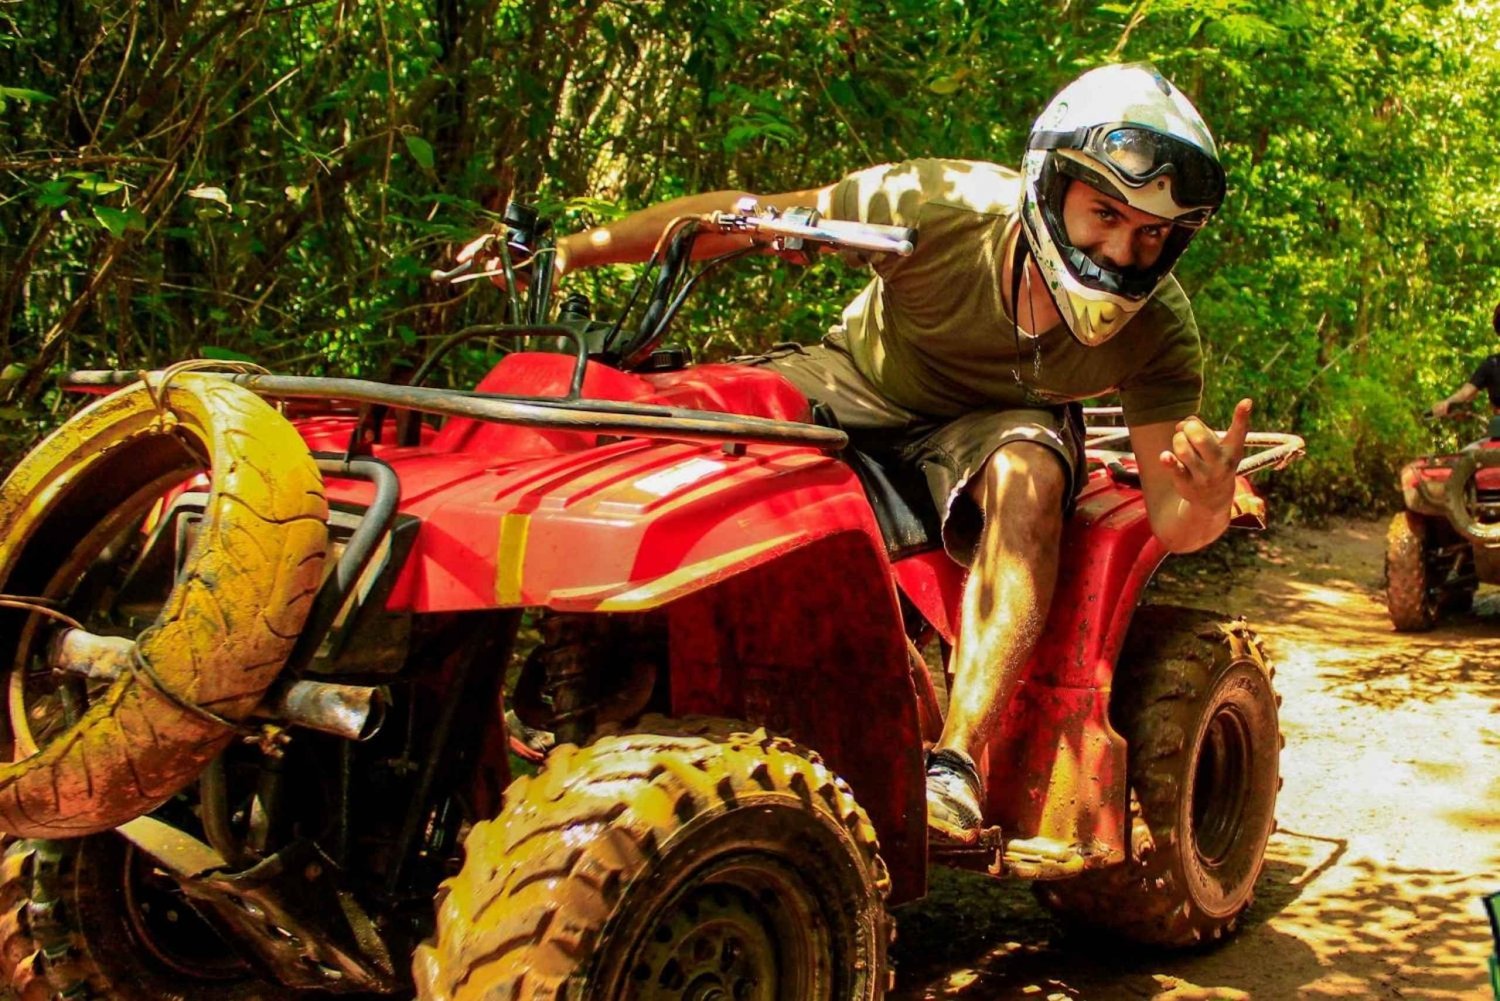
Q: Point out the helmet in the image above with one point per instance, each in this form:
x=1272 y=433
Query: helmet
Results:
x=1127 y=132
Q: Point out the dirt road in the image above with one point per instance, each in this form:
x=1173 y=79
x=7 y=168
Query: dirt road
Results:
x=1389 y=819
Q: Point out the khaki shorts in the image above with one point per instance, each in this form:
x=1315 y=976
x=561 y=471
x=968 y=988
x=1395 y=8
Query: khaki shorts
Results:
x=948 y=453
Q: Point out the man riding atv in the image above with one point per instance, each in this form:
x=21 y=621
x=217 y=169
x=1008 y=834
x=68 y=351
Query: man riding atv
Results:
x=966 y=358
x=1485 y=377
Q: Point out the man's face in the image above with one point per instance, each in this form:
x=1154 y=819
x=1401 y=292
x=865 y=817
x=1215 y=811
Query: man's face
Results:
x=1112 y=233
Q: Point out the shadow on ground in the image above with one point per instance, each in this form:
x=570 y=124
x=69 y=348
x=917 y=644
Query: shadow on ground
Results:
x=1366 y=930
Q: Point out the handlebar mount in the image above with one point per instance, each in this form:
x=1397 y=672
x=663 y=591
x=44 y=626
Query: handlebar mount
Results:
x=796 y=234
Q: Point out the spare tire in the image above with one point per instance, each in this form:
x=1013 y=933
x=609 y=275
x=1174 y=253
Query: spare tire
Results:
x=224 y=631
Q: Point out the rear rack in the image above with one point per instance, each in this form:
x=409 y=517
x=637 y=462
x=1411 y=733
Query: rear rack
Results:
x=568 y=413
x=574 y=412
x=1277 y=448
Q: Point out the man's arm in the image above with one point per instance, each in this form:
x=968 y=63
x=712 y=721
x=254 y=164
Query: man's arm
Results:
x=1188 y=477
x=1465 y=393
x=630 y=240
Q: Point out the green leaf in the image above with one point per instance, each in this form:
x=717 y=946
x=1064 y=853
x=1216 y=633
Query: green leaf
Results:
x=948 y=84
x=213 y=353
x=120 y=221
x=420 y=150
x=55 y=194
x=23 y=94
x=97 y=187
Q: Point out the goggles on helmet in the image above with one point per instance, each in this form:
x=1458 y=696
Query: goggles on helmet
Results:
x=1136 y=155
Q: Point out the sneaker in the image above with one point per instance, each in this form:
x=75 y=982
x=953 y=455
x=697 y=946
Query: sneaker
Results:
x=953 y=794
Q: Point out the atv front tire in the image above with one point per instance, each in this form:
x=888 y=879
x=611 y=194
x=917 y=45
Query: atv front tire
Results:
x=697 y=864
x=1410 y=594
x=1193 y=699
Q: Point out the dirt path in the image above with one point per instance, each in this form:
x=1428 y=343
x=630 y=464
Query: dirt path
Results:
x=1389 y=818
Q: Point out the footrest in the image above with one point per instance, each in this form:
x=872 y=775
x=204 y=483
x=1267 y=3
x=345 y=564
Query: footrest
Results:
x=1047 y=858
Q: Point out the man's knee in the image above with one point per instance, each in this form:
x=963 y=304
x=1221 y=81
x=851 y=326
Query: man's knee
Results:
x=1022 y=475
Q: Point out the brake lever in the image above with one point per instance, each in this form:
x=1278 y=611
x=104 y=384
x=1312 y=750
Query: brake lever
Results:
x=464 y=270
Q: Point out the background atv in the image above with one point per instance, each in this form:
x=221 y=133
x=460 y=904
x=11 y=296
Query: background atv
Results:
x=244 y=770
x=1447 y=541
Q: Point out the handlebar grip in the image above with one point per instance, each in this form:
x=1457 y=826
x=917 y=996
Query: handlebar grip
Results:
x=833 y=232
x=899 y=240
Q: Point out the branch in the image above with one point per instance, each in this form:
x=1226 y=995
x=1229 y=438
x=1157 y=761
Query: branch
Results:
x=1136 y=17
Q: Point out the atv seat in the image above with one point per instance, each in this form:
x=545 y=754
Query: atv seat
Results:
x=902 y=503
x=897 y=493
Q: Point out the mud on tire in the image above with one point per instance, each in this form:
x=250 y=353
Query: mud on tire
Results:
x=697 y=857
x=226 y=626
x=1409 y=590
x=1194 y=701
x=101 y=928
x=19 y=953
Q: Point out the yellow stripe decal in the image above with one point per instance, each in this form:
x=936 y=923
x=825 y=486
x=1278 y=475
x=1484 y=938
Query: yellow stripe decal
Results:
x=663 y=589
x=510 y=558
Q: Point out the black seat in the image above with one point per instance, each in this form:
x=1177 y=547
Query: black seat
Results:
x=897 y=492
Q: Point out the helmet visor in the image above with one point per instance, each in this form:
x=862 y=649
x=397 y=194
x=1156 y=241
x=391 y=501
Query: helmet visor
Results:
x=1136 y=155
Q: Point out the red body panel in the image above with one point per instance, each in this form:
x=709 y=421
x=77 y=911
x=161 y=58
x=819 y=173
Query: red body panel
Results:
x=1424 y=482
x=780 y=601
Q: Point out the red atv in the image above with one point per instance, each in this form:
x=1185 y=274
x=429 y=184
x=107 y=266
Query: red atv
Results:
x=1447 y=541
x=244 y=771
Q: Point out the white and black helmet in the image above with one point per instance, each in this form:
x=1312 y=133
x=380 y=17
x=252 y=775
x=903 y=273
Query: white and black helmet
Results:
x=1126 y=131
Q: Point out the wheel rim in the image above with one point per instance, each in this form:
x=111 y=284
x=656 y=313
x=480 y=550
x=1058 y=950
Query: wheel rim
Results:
x=167 y=927
x=41 y=705
x=1221 y=786
x=744 y=930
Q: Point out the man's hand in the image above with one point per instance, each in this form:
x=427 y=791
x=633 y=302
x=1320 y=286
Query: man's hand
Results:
x=1202 y=463
x=1441 y=408
x=485 y=254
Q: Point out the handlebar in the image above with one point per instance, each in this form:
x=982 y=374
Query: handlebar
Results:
x=1280 y=448
x=794 y=228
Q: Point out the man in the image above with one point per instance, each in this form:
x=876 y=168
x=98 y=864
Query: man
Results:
x=965 y=357
x=1485 y=377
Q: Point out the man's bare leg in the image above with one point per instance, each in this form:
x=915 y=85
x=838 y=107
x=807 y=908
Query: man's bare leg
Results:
x=1005 y=603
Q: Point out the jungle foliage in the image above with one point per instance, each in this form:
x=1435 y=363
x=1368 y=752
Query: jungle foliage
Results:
x=274 y=179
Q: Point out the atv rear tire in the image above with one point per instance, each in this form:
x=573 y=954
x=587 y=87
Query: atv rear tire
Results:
x=667 y=866
x=1194 y=701
x=224 y=630
x=1410 y=592
x=109 y=927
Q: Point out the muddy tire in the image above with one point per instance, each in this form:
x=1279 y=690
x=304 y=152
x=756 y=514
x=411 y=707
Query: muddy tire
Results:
x=698 y=863
x=1194 y=701
x=224 y=630
x=19 y=954
x=107 y=927
x=1410 y=595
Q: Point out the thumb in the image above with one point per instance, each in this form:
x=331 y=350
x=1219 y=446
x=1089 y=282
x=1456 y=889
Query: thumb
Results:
x=1239 y=427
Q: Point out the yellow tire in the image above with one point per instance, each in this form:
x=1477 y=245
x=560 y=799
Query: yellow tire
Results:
x=225 y=629
x=708 y=864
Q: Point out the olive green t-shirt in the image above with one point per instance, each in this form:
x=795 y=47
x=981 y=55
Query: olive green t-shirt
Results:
x=931 y=331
